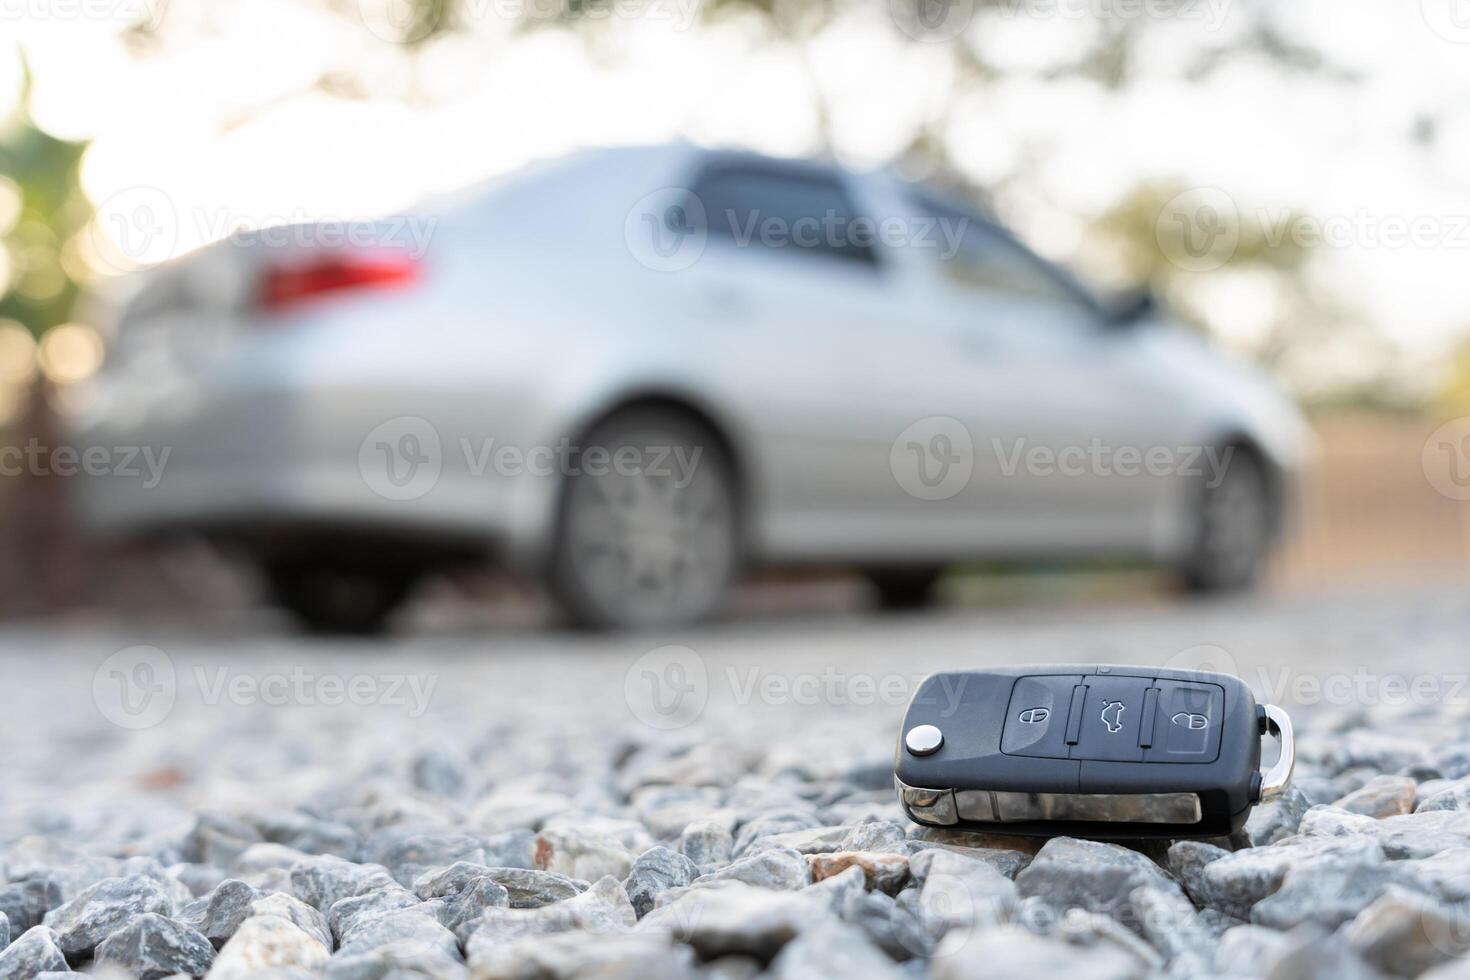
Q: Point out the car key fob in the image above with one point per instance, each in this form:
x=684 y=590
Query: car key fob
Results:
x=1090 y=750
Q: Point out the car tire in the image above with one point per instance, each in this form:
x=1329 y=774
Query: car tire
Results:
x=1234 y=522
x=650 y=545
x=338 y=599
x=903 y=589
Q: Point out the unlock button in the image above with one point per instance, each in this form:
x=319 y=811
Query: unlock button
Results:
x=1036 y=718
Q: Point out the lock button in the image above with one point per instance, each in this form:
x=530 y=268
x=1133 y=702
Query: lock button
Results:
x=1036 y=718
x=1187 y=722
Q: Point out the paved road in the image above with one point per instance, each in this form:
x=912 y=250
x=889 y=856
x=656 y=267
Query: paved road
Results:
x=102 y=714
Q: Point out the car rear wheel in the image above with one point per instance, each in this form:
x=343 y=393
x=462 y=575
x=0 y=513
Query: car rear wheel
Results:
x=900 y=589
x=651 y=541
x=1233 y=528
x=338 y=599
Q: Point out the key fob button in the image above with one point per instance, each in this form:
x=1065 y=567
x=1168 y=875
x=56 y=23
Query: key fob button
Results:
x=923 y=739
x=1187 y=722
x=1036 y=718
x=1112 y=716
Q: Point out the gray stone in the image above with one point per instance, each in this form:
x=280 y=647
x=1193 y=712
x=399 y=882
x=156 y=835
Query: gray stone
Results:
x=1382 y=796
x=442 y=770
x=1314 y=955
x=1233 y=884
x=882 y=836
x=1326 y=895
x=322 y=882
x=412 y=928
x=296 y=912
x=97 y=912
x=602 y=908
x=469 y=902
x=1008 y=861
x=780 y=869
x=1420 y=835
x=409 y=855
x=264 y=944
x=572 y=956
x=1377 y=751
x=1010 y=951
x=886 y=872
x=708 y=843
x=1249 y=951
x=832 y=948
x=258 y=858
x=581 y=855
x=1098 y=877
x=1449 y=795
x=1406 y=933
x=735 y=918
x=1187 y=860
x=953 y=884
x=218 y=840
x=1274 y=821
x=152 y=946
x=395 y=962
x=657 y=870
x=771 y=823
x=525 y=889
x=1172 y=926
x=309 y=834
x=345 y=914
x=25 y=903
x=34 y=952
x=218 y=916
x=813 y=840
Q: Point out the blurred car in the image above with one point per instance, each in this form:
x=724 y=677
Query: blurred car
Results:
x=794 y=363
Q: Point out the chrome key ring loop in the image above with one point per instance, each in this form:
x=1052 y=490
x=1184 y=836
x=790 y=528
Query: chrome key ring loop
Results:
x=1275 y=781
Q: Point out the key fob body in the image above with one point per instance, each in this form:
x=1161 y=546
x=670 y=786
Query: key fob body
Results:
x=1090 y=750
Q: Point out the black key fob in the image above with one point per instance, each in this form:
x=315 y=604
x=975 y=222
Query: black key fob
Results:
x=1088 y=750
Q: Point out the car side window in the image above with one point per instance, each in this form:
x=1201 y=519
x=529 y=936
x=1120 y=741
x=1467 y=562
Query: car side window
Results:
x=804 y=211
x=988 y=258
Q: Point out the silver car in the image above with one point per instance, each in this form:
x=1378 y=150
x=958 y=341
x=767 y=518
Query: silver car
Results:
x=634 y=373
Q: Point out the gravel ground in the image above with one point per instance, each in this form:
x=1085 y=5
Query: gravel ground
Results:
x=240 y=802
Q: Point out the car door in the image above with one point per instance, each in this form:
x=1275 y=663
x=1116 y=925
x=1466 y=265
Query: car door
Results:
x=792 y=308
x=1060 y=426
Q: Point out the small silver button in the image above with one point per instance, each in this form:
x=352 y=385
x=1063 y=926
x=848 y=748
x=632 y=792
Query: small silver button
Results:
x=923 y=739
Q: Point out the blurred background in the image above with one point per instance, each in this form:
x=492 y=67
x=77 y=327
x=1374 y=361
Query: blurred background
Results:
x=1334 y=134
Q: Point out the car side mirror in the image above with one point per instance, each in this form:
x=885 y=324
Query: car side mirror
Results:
x=1132 y=308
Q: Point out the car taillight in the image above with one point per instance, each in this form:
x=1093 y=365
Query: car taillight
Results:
x=286 y=286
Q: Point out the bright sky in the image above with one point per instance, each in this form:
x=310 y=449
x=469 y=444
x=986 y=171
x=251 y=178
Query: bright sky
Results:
x=223 y=120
